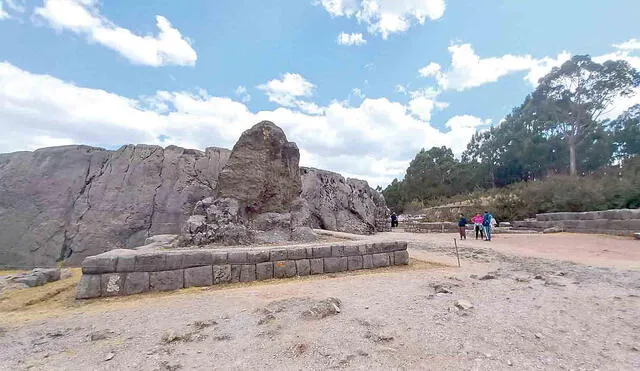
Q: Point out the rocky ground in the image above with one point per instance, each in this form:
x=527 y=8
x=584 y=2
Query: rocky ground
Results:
x=503 y=309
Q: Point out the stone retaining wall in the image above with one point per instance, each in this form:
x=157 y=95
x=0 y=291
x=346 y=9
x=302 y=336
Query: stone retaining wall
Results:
x=127 y=272
x=602 y=226
x=620 y=214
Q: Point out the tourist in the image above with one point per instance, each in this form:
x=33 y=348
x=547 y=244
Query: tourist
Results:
x=486 y=224
x=394 y=220
x=462 y=225
x=477 y=225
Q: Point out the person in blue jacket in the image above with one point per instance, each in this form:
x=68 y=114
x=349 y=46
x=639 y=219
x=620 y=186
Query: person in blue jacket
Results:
x=487 y=219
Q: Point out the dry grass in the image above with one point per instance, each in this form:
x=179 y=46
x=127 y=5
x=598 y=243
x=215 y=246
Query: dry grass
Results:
x=57 y=299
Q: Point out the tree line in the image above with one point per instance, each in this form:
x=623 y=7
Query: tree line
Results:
x=559 y=129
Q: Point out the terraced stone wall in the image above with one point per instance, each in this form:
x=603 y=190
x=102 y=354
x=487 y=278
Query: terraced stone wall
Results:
x=127 y=272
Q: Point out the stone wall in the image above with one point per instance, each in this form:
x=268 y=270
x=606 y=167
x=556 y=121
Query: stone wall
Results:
x=127 y=272
x=623 y=222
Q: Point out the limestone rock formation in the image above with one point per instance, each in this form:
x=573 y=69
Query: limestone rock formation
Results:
x=71 y=202
x=257 y=195
x=75 y=201
x=345 y=205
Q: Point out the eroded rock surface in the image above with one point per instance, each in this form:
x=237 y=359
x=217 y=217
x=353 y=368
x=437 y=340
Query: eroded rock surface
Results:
x=345 y=205
x=75 y=201
x=258 y=195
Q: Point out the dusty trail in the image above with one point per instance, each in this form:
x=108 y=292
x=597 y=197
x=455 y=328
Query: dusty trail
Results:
x=528 y=313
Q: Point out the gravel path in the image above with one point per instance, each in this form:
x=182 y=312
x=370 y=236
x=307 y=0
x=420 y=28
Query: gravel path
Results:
x=501 y=310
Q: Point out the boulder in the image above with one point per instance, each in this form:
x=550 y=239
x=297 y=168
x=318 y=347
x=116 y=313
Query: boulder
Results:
x=262 y=172
x=258 y=195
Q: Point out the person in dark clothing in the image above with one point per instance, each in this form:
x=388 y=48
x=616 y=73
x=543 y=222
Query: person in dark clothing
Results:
x=394 y=220
x=462 y=225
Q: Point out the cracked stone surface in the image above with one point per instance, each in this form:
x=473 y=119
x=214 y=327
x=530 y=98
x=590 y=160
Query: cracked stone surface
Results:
x=71 y=202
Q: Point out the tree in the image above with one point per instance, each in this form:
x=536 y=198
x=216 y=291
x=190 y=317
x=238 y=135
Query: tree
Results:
x=430 y=174
x=571 y=99
x=626 y=133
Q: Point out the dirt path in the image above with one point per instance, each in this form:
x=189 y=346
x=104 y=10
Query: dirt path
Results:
x=528 y=313
x=587 y=249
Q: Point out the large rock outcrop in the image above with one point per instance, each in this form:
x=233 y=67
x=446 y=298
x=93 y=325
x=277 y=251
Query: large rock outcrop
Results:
x=258 y=195
x=345 y=205
x=75 y=201
x=71 y=202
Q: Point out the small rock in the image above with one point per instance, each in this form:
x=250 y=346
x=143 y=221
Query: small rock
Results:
x=522 y=279
x=109 y=357
x=635 y=348
x=509 y=363
x=474 y=276
x=488 y=277
x=442 y=289
x=267 y=319
x=463 y=304
x=100 y=335
x=538 y=335
x=367 y=307
x=538 y=277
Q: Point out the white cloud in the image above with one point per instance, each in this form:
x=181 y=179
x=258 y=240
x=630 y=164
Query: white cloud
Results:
x=241 y=92
x=468 y=70
x=374 y=139
x=168 y=47
x=13 y=6
x=356 y=92
x=385 y=17
x=285 y=90
x=631 y=44
x=351 y=39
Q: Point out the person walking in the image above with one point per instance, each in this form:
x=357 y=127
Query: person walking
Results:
x=477 y=225
x=486 y=224
x=394 y=220
x=462 y=226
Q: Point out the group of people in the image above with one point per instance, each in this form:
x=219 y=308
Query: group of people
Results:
x=482 y=224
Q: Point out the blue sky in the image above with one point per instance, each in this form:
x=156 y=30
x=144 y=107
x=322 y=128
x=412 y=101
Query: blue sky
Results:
x=405 y=74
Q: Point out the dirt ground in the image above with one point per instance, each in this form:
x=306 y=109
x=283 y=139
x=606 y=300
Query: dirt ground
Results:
x=522 y=302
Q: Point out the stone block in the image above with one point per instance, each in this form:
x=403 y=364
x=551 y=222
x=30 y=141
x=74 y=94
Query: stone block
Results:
x=354 y=262
x=219 y=257
x=401 y=257
x=196 y=258
x=284 y=268
x=367 y=261
x=221 y=274
x=264 y=271
x=401 y=245
x=136 y=283
x=237 y=257
x=321 y=251
x=198 y=276
x=391 y=258
x=296 y=253
x=335 y=264
x=89 y=286
x=303 y=267
x=112 y=284
x=352 y=250
x=380 y=260
x=235 y=273
x=337 y=251
x=166 y=280
x=254 y=257
x=371 y=248
x=247 y=273
x=126 y=263
x=173 y=261
x=51 y=274
x=278 y=254
x=153 y=262
x=317 y=266
x=362 y=249
x=99 y=264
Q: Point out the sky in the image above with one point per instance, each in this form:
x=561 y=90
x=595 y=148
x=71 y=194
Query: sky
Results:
x=360 y=85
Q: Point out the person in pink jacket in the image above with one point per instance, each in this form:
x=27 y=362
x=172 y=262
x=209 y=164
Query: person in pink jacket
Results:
x=477 y=225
